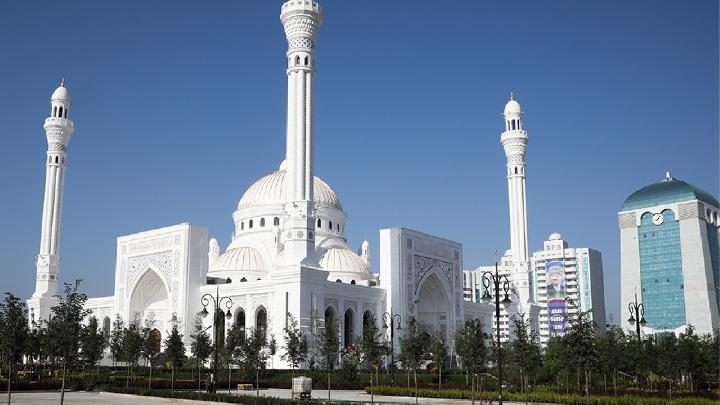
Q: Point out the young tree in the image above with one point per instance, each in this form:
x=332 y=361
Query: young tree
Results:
x=328 y=346
x=471 y=346
x=272 y=347
x=116 y=336
x=174 y=348
x=132 y=343
x=35 y=344
x=150 y=346
x=92 y=343
x=524 y=349
x=200 y=345
x=580 y=342
x=252 y=354
x=611 y=352
x=438 y=351
x=233 y=340
x=413 y=344
x=689 y=352
x=371 y=346
x=65 y=326
x=295 y=349
x=13 y=334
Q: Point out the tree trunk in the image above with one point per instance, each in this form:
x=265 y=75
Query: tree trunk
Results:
x=440 y=377
x=615 y=381
x=172 y=379
x=472 y=390
x=257 y=382
x=62 y=386
x=9 y=382
x=604 y=383
x=416 y=387
x=328 y=384
x=127 y=376
x=372 y=394
x=467 y=374
x=150 y=380
x=229 y=378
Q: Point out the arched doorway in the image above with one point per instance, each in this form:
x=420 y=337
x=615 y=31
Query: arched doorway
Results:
x=150 y=298
x=349 y=328
x=261 y=322
x=433 y=307
x=329 y=316
x=240 y=322
x=368 y=320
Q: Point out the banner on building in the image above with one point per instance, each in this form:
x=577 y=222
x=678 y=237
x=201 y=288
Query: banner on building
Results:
x=556 y=292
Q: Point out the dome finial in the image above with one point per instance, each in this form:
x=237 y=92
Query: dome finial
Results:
x=512 y=96
x=62 y=82
x=668 y=176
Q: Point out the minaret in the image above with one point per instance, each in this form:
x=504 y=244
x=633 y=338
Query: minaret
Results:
x=301 y=20
x=514 y=141
x=58 y=130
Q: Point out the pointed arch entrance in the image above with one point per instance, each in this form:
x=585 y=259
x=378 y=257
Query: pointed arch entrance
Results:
x=433 y=306
x=150 y=297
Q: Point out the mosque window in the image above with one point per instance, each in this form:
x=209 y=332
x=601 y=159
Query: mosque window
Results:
x=276 y=221
x=65 y=116
x=319 y=223
x=56 y=159
x=262 y=222
x=338 y=281
x=297 y=60
x=54 y=113
x=61 y=113
x=50 y=161
x=516 y=171
x=330 y=227
x=307 y=61
x=250 y=224
x=338 y=227
x=352 y=281
x=708 y=214
x=242 y=226
x=513 y=124
x=243 y=280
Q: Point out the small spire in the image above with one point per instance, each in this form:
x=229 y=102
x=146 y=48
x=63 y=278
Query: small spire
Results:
x=512 y=96
x=62 y=82
x=668 y=176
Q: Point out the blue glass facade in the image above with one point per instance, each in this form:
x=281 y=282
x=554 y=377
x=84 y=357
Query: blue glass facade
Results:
x=587 y=285
x=714 y=243
x=661 y=275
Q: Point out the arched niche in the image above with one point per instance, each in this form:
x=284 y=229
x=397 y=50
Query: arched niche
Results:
x=434 y=311
x=150 y=296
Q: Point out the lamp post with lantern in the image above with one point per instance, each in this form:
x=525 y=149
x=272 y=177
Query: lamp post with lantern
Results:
x=637 y=319
x=497 y=281
x=217 y=302
x=390 y=320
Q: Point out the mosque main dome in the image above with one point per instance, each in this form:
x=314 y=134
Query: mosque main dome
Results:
x=270 y=189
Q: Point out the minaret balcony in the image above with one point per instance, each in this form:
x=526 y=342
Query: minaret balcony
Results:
x=59 y=121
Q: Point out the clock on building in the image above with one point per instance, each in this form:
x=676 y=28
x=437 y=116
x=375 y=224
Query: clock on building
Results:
x=658 y=218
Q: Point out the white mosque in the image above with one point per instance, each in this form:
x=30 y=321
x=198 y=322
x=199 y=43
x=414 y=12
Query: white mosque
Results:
x=288 y=254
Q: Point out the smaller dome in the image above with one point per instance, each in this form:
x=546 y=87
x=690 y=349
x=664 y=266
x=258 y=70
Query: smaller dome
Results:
x=339 y=259
x=555 y=236
x=61 y=93
x=667 y=191
x=512 y=106
x=240 y=259
x=508 y=253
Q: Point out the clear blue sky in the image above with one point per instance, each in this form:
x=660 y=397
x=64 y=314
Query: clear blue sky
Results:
x=179 y=106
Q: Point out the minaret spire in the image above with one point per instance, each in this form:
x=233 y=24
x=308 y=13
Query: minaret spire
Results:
x=58 y=130
x=514 y=141
x=301 y=20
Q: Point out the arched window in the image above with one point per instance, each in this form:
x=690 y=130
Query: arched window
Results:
x=515 y=173
x=368 y=319
x=56 y=159
x=349 y=324
x=65 y=116
x=250 y=222
x=297 y=60
x=330 y=227
x=243 y=280
x=338 y=281
x=276 y=221
x=54 y=113
x=352 y=281
x=61 y=113
x=329 y=315
x=262 y=222
x=338 y=227
x=513 y=124
x=50 y=161
x=106 y=327
x=242 y=226
x=307 y=61
x=261 y=322
x=240 y=322
x=709 y=216
x=319 y=223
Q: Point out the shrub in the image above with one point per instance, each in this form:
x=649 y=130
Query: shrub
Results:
x=203 y=396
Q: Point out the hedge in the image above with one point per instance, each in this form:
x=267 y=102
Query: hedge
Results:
x=572 y=399
x=203 y=396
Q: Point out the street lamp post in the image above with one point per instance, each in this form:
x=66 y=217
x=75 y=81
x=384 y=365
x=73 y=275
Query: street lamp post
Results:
x=217 y=302
x=497 y=280
x=637 y=319
x=389 y=321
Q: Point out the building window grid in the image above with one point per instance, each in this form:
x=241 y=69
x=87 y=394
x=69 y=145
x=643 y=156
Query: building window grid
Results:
x=661 y=276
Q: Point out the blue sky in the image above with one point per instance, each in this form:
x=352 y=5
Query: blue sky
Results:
x=180 y=106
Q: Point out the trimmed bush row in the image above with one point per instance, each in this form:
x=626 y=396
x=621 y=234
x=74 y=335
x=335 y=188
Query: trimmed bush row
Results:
x=540 y=397
x=203 y=396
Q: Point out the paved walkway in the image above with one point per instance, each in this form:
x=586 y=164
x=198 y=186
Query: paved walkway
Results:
x=89 y=398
